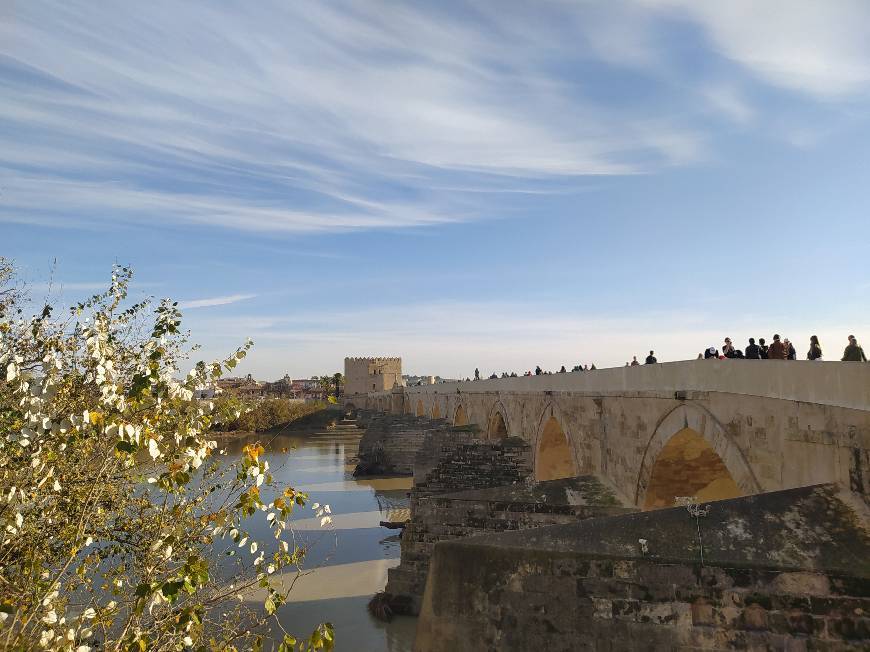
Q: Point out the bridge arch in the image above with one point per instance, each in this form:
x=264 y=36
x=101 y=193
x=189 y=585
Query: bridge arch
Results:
x=554 y=453
x=436 y=409
x=690 y=454
x=460 y=417
x=421 y=409
x=497 y=424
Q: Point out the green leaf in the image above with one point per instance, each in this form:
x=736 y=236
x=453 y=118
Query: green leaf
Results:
x=125 y=447
x=140 y=384
x=170 y=589
x=269 y=605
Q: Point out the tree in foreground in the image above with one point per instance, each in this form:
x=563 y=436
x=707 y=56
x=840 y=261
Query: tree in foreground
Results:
x=114 y=502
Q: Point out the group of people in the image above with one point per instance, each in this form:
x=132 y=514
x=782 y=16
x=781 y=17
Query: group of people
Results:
x=778 y=349
x=781 y=349
x=538 y=372
x=650 y=359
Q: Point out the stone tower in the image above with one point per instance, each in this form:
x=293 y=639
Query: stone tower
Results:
x=364 y=375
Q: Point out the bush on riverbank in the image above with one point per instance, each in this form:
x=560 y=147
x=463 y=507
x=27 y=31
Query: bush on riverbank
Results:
x=114 y=506
x=269 y=413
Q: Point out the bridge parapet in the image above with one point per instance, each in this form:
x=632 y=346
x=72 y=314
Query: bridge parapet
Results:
x=840 y=384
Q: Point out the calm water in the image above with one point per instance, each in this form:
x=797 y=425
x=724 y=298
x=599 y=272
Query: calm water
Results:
x=350 y=558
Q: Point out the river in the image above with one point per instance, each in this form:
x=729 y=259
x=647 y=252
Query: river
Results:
x=349 y=558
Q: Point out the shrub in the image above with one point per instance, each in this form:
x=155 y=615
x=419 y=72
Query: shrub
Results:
x=267 y=414
x=112 y=505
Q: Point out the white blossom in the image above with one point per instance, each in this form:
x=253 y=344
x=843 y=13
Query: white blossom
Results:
x=46 y=637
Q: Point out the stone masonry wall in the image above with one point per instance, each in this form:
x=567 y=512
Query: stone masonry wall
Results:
x=453 y=461
x=754 y=573
x=572 y=603
x=445 y=517
x=391 y=442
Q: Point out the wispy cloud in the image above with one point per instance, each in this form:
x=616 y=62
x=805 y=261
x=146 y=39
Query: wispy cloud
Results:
x=819 y=48
x=215 y=301
x=80 y=286
x=728 y=100
x=322 y=117
x=306 y=116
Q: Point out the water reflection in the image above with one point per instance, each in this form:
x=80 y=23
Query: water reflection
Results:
x=349 y=562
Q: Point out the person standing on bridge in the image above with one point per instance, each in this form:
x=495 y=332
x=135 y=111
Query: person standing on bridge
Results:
x=753 y=351
x=651 y=358
x=815 y=352
x=538 y=370
x=853 y=352
x=634 y=362
x=762 y=348
x=728 y=349
x=777 y=350
x=790 y=353
x=476 y=373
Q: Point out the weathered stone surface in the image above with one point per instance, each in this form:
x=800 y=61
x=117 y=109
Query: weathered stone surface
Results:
x=392 y=441
x=786 y=570
x=465 y=486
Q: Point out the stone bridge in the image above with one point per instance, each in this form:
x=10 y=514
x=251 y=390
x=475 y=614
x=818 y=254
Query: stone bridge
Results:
x=708 y=428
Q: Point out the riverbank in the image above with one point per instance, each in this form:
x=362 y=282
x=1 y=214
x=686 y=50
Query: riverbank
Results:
x=325 y=417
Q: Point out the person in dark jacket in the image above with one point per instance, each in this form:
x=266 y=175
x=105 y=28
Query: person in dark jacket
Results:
x=815 y=352
x=651 y=359
x=777 y=350
x=753 y=351
x=538 y=370
x=711 y=353
x=853 y=352
x=790 y=353
x=762 y=348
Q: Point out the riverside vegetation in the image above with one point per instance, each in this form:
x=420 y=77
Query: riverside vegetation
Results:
x=112 y=503
x=267 y=414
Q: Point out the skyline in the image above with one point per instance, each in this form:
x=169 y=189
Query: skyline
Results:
x=462 y=186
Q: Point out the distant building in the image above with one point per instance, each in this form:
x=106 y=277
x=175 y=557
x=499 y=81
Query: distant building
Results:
x=206 y=393
x=364 y=375
x=245 y=387
x=302 y=389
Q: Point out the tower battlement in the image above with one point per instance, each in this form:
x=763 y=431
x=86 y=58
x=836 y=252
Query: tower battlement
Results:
x=373 y=359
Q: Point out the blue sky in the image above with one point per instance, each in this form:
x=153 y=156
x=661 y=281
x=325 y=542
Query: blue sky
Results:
x=491 y=184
